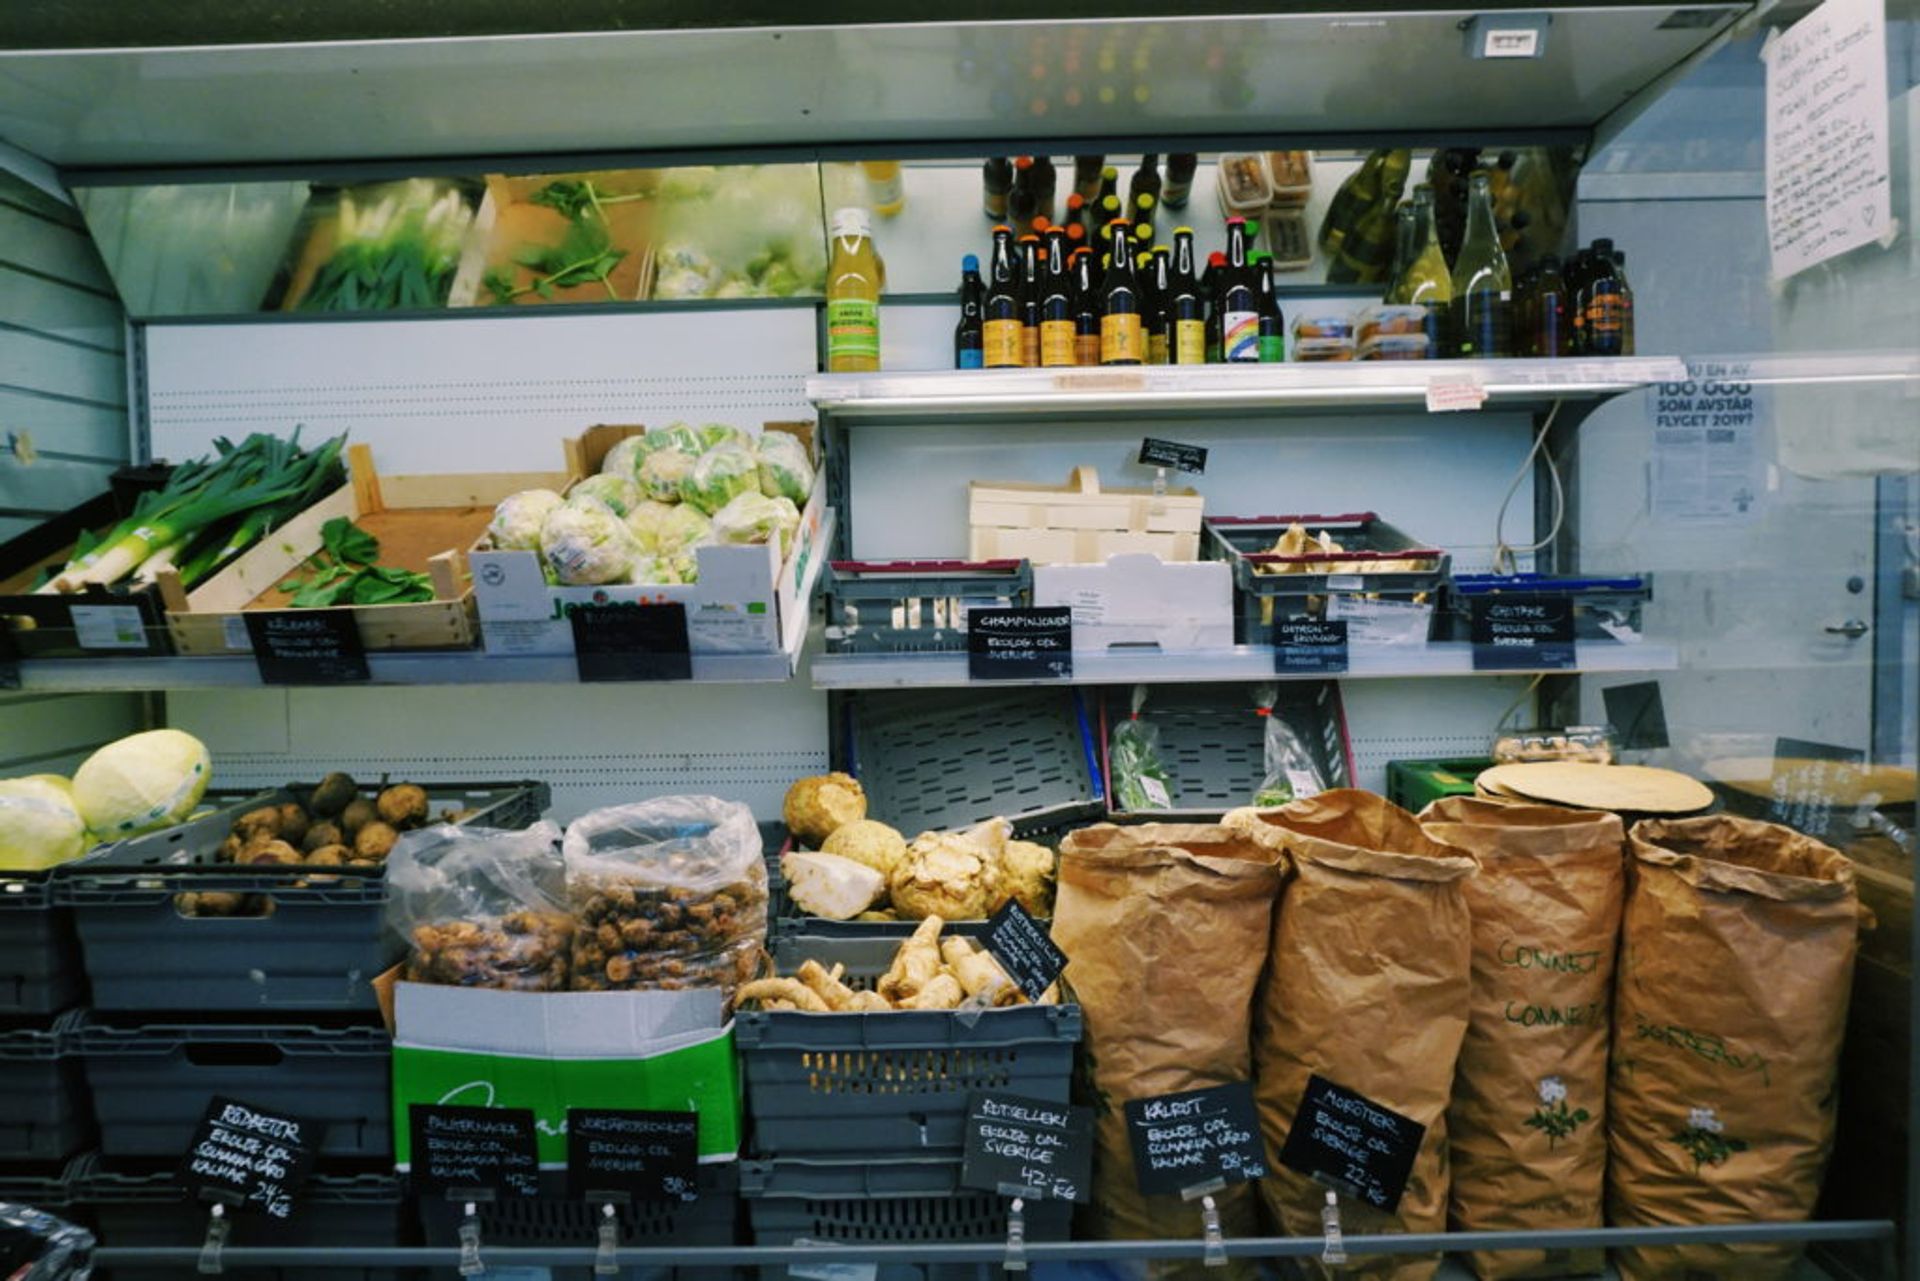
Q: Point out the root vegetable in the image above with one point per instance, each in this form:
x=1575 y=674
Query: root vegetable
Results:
x=358 y=813
x=328 y=856
x=373 y=842
x=942 y=992
x=293 y=824
x=802 y=996
x=321 y=835
x=250 y=824
x=816 y=807
x=1027 y=874
x=868 y=1003
x=915 y=965
x=229 y=851
x=829 y=885
x=402 y=806
x=826 y=985
x=335 y=792
x=979 y=974
x=273 y=853
x=944 y=874
x=867 y=841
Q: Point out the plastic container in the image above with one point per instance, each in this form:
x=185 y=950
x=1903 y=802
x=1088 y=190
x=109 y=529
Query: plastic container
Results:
x=151 y=1082
x=1291 y=173
x=1287 y=239
x=555 y=1219
x=884 y=1203
x=1395 y=319
x=1213 y=742
x=1590 y=744
x=849 y=1085
x=1365 y=540
x=1321 y=349
x=150 y=1209
x=916 y=606
x=318 y=949
x=44 y=1117
x=1321 y=322
x=1413 y=785
x=1397 y=347
x=1243 y=187
x=40 y=969
x=1605 y=609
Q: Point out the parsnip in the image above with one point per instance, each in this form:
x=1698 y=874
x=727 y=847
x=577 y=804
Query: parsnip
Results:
x=978 y=972
x=915 y=965
x=825 y=985
x=941 y=992
x=802 y=996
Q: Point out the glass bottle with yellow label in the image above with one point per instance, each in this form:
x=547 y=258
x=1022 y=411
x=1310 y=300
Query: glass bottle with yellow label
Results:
x=1056 y=304
x=1000 y=326
x=1186 y=306
x=853 y=295
x=1122 y=330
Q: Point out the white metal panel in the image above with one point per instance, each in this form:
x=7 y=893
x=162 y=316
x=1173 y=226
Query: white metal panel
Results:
x=1423 y=720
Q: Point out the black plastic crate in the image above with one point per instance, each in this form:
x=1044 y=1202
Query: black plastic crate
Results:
x=915 y=606
x=40 y=969
x=151 y=1209
x=44 y=1116
x=1606 y=608
x=318 y=948
x=884 y=1203
x=1365 y=540
x=555 y=1219
x=845 y=1085
x=49 y=1190
x=1213 y=742
x=52 y=629
x=151 y=1082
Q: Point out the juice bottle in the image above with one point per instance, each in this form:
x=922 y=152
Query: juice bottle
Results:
x=885 y=186
x=853 y=296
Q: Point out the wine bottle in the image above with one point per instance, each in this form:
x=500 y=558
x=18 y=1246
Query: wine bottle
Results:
x=1482 y=282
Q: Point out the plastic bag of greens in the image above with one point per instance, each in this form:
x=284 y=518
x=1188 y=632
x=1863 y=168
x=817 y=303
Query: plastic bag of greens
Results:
x=719 y=476
x=785 y=470
x=1140 y=781
x=1290 y=773
x=482 y=908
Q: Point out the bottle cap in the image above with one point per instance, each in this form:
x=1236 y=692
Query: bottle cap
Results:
x=1109 y=172
x=1236 y=221
x=1619 y=257
x=1216 y=259
x=1000 y=227
x=970 y=263
x=1023 y=162
x=1162 y=249
x=1076 y=201
x=1183 y=231
x=1029 y=237
x=1603 y=246
x=1117 y=222
x=852 y=221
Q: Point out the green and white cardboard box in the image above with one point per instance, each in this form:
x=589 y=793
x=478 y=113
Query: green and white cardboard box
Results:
x=549 y=1051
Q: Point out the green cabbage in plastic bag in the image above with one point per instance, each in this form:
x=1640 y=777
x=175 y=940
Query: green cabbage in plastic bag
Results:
x=719 y=476
x=678 y=436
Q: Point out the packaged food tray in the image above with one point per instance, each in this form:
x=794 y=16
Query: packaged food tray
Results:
x=884 y=1203
x=151 y=1082
x=44 y=1116
x=555 y=1219
x=318 y=949
x=1364 y=539
x=916 y=606
x=150 y=1209
x=1213 y=742
x=847 y=1085
x=1605 y=608
x=40 y=969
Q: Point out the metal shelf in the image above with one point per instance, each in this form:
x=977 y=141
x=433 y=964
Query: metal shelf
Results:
x=1368 y=385
x=1241 y=663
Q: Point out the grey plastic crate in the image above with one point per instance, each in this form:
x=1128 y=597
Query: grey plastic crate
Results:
x=40 y=970
x=930 y=760
x=1213 y=741
x=884 y=1203
x=44 y=1117
x=1259 y=598
x=843 y=1085
x=318 y=950
x=554 y=1218
x=1606 y=608
x=151 y=1209
x=915 y=606
x=151 y=1082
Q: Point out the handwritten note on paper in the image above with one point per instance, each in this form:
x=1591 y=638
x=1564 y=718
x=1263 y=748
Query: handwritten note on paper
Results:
x=1827 y=159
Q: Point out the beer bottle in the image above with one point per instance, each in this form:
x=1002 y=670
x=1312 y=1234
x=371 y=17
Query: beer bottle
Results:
x=1181 y=167
x=1239 y=301
x=1076 y=211
x=1121 y=339
x=1143 y=231
x=1086 y=177
x=1076 y=237
x=1428 y=281
x=1272 y=342
x=1406 y=236
x=969 y=336
x=1367 y=246
x=1086 y=310
x=1214 y=286
x=1109 y=210
x=997 y=177
x=1186 y=308
x=1551 y=325
x=1056 y=304
x=1145 y=181
x=1350 y=200
x=1000 y=327
x=1109 y=186
x=1159 y=312
x=1576 y=275
x=1022 y=202
x=1482 y=282
x=1046 y=182
x=1030 y=286
x=1625 y=291
x=1522 y=317
x=1607 y=304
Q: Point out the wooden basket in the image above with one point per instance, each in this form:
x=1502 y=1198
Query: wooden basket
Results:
x=424 y=523
x=1081 y=523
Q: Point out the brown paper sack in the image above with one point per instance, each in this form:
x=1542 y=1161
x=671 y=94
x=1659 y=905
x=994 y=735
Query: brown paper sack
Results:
x=1736 y=959
x=1165 y=930
x=1527 y=1126
x=1366 y=986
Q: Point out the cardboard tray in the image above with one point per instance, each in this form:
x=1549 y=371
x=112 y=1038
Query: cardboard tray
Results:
x=424 y=523
x=113 y=622
x=509 y=222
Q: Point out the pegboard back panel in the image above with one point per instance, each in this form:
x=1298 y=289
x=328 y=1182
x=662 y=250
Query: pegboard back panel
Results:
x=483 y=392
x=1416 y=720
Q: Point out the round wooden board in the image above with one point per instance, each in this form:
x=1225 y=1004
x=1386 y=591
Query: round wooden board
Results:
x=1633 y=789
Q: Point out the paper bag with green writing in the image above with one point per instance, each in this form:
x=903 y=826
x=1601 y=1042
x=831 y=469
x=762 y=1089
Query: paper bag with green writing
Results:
x=1527 y=1121
x=1736 y=959
x=1165 y=930
x=1366 y=986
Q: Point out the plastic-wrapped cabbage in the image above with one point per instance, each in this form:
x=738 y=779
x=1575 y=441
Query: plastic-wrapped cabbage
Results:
x=680 y=436
x=664 y=570
x=516 y=522
x=683 y=271
x=40 y=825
x=664 y=472
x=785 y=471
x=586 y=543
x=141 y=782
x=755 y=518
x=714 y=435
x=624 y=458
x=683 y=565
x=616 y=491
x=719 y=476
x=647 y=571
x=664 y=528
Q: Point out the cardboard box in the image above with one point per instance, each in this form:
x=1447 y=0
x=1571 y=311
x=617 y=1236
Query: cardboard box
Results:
x=748 y=601
x=549 y=1051
x=511 y=223
x=1141 y=601
x=1080 y=523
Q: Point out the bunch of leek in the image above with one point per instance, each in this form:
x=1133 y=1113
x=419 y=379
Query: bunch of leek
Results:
x=209 y=511
x=399 y=246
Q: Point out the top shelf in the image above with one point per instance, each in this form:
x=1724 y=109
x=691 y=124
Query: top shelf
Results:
x=1370 y=385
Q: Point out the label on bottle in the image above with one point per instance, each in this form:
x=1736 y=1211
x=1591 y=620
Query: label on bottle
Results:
x=1242 y=336
x=1056 y=343
x=970 y=358
x=853 y=330
x=1086 y=349
x=1485 y=325
x=1157 y=348
x=1000 y=344
x=1122 y=340
x=1030 y=346
x=1606 y=316
x=1189 y=342
x=1273 y=349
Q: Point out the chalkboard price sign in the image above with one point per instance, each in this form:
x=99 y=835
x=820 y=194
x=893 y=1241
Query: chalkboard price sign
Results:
x=649 y=1156
x=632 y=642
x=1307 y=645
x=1024 y=950
x=1019 y=643
x=248 y=1157
x=1155 y=452
x=1197 y=1141
x=307 y=646
x=460 y=1150
x=1029 y=1148
x=1352 y=1144
x=1520 y=630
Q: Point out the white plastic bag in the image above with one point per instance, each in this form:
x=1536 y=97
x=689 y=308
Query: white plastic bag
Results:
x=479 y=907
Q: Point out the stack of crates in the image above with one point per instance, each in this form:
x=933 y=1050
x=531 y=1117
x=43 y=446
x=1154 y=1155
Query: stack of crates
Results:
x=273 y=1006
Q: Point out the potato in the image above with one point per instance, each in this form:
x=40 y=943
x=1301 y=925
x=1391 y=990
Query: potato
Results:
x=209 y=903
x=335 y=792
x=250 y=824
x=373 y=842
x=328 y=856
x=229 y=851
x=321 y=835
x=270 y=854
x=402 y=806
x=357 y=815
x=293 y=824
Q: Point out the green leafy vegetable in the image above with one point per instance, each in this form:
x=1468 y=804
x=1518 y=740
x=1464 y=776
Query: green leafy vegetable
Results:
x=348 y=542
x=345 y=573
x=584 y=255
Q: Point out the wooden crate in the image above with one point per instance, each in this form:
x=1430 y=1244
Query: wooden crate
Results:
x=424 y=523
x=1080 y=523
